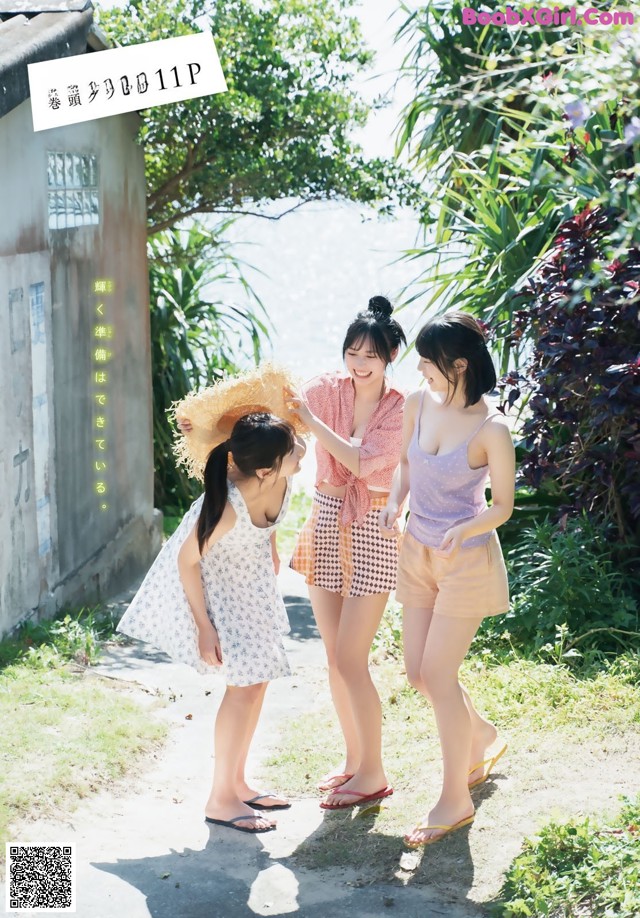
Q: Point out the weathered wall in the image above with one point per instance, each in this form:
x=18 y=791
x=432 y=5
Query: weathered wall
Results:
x=28 y=553
x=56 y=543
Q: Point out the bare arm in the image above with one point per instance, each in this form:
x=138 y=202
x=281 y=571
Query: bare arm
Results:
x=502 y=472
x=340 y=449
x=189 y=568
x=501 y=457
x=400 y=484
x=274 y=552
x=346 y=453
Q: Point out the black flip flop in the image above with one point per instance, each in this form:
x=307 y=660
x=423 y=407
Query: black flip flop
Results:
x=231 y=824
x=266 y=806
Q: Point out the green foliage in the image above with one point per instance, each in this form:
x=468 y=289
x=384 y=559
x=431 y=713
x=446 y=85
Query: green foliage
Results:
x=170 y=524
x=567 y=597
x=283 y=130
x=515 y=130
x=476 y=130
x=49 y=644
x=570 y=604
x=501 y=207
x=468 y=79
x=287 y=531
x=582 y=424
x=577 y=869
x=387 y=643
x=530 y=139
x=531 y=507
x=195 y=340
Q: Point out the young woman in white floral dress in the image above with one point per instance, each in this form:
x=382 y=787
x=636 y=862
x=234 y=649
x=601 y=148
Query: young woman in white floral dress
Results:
x=211 y=599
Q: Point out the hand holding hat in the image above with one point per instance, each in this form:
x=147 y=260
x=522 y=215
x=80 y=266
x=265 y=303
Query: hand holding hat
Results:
x=213 y=411
x=297 y=405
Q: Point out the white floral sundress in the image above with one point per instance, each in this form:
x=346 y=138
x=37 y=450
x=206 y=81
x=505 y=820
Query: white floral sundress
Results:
x=241 y=594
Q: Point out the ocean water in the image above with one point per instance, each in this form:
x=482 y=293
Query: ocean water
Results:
x=323 y=262
x=316 y=269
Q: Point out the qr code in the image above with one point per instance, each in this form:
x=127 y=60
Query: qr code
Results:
x=41 y=878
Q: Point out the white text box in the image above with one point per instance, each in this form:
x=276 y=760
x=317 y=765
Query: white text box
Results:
x=103 y=83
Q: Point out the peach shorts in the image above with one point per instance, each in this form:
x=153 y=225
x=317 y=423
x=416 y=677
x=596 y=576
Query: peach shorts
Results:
x=471 y=585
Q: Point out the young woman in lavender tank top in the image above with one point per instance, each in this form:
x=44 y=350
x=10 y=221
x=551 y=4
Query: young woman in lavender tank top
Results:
x=451 y=572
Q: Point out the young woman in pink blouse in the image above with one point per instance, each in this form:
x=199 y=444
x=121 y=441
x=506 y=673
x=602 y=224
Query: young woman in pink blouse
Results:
x=356 y=417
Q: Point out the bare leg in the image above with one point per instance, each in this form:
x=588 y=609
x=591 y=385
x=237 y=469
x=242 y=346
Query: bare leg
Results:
x=416 y=622
x=415 y=628
x=327 y=609
x=483 y=737
x=243 y=790
x=448 y=641
x=236 y=711
x=358 y=624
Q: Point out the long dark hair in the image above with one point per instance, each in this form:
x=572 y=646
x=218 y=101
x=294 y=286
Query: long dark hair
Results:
x=376 y=324
x=257 y=441
x=452 y=336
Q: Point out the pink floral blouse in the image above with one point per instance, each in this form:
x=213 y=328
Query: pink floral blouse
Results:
x=331 y=398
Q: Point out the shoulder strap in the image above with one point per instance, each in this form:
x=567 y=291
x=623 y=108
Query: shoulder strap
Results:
x=236 y=499
x=421 y=406
x=479 y=428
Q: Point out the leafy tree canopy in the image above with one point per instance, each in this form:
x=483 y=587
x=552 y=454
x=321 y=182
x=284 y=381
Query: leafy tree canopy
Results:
x=284 y=128
x=195 y=339
x=515 y=131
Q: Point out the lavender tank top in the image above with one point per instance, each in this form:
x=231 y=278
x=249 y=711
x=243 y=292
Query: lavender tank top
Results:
x=444 y=491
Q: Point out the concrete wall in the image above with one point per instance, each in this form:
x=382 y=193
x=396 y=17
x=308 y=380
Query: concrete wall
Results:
x=57 y=546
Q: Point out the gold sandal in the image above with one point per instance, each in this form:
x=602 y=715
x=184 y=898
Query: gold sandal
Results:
x=446 y=831
x=491 y=762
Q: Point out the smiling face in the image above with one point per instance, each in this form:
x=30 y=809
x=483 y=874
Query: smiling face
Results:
x=291 y=462
x=437 y=380
x=454 y=358
x=363 y=364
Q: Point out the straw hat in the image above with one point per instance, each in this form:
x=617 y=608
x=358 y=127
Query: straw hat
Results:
x=213 y=411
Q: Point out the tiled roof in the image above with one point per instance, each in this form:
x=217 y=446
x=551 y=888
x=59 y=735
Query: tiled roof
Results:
x=32 y=31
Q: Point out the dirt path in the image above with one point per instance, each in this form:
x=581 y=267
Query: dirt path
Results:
x=537 y=780
x=143 y=848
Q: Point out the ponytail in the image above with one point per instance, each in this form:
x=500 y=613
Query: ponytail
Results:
x=215 y=492
x=258 y=441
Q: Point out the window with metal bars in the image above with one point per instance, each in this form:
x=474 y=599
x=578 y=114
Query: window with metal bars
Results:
x=72 y=180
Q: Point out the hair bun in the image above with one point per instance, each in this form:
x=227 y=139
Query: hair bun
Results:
x=380 y=305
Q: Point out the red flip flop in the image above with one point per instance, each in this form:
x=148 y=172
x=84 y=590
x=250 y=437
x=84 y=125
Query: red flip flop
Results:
x=362 y=798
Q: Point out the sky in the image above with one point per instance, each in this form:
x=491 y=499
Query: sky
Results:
x=380 y=20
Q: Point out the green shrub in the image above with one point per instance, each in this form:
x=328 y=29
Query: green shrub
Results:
x=570 y=604
x=577 y=869
x=387 y=643
x=566 y=594
x=195 y=339
x=170 y=524
x=287 y=532
x=70 y=636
